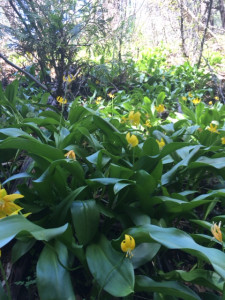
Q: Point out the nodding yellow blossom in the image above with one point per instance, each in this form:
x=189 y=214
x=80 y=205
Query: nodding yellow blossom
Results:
x=212 y=128
x=210 y=102
x=97 y=102
x=61 y=100
x=69 y=78
x=161 y=143
x=99 y=98
x=184 y=98
x=71 y=155
x=97 y=81
x=147 y=123
x=160 y=108
x=223 y=140
x=216 y=232
x=216 y=98
x=111 y=95
x=7 y=205
x=123 y=119
x=190 y=95
x=132 y=140
x=196 y=101
x=134 y=118
x=128 y=245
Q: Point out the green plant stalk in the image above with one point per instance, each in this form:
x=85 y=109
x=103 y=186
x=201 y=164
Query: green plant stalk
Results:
x=6 y=281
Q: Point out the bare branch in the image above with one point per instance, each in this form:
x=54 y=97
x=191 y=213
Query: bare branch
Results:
x=24 y=72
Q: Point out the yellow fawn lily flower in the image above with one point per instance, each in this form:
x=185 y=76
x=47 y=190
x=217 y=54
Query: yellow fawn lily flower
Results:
x=123 y=119
x=111 y=95
x=147 y=123
x=216 y=232
x=210 y=102
x=71 y=155
x=184 y=98
x=132 y=140
x=61 y=100
x=190 y=95
x=128 y=245
x=196 y=101
x=212 y=128
x=223 y=140
x=160 y=108
x=161 y=143
x=7 y=205
x=216 y=98
x=134 y=118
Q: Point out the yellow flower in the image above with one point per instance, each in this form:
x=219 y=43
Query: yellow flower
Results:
x=160 y=108
x=97 y=81
x=111 y=96
x=213 y=128
x=97 y=102
x=215 y=229
x=69 y=79
x=99 y=98
x=216 y=98
x=128 y=245
x=190 y=95
x=71 y=155
x=7 y=205
x=147 y=123
x=210 y=103
x=184 y=98
x=161 y=143
x=223 y=140
x=132 y=140
x=134 y=118
x=61 y=100
x=123 y=119
x=196 y=101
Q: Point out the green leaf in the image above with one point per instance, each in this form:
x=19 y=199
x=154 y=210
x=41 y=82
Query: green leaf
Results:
x=144 y=253
x=203 y=161
x=113 y=272
x=14 y=225
x=53 y=280
x=32 y=146
x=85 y=217
x=173 y=288
x=200 y=276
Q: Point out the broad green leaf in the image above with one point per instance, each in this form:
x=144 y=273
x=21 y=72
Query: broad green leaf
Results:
x=144 y=253
x=166 y=177
x=177 y=206
x=32 y=146
x=204 y=161
x=199 y=276
x=14 y=225
x=85 y=217
x=53 y=280
x=113 y=272
x=173 y=288
x=173 y=238
x=21 y=247
x=17 y=176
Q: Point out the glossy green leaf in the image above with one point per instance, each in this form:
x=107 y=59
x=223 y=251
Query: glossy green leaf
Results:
x=144 y=253
x=32 y=146
x=173 y=288
x=113 y=272
x=199 y=276
x=3 y=295
x=203 y=161
x=85 y=217
x=53 y=280
x=14 y=225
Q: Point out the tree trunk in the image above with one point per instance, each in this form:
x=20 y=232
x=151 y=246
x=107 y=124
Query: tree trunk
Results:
x=222 y=12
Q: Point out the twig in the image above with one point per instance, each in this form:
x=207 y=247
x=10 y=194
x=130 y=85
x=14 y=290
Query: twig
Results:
x=24 y=72
x=205 y=31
